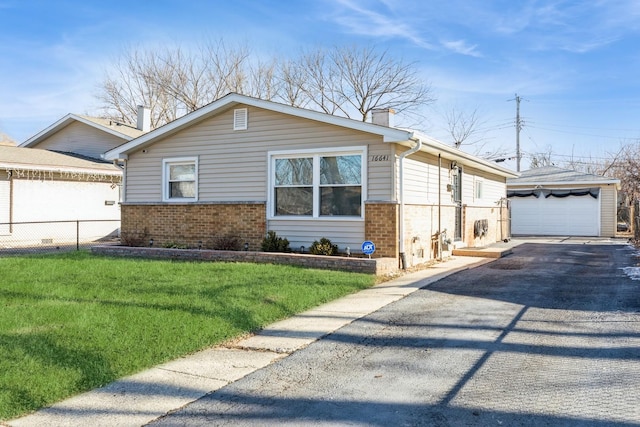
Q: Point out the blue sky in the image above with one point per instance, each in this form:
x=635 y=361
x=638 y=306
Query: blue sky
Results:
x=576 y=64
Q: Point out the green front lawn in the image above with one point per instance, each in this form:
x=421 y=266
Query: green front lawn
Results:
x=73 y=322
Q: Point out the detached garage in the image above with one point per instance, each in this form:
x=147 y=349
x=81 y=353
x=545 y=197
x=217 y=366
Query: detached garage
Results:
x=551 y=201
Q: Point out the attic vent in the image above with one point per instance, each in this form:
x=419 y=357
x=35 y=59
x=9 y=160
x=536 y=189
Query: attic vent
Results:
x=240 y=119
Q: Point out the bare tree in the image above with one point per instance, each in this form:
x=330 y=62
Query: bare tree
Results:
x=262 y=80
x=368 y=80
x=626 y=167
x=139 y=77
x=320 y=84
x=350 y=82
x=292 y=83
x=539 y=160
x=227 y=67
x=464 y=127
x=172 y=82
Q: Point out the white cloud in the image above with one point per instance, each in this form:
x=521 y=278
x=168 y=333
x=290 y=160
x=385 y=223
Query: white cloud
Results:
x=461 y=47
x=367 y=22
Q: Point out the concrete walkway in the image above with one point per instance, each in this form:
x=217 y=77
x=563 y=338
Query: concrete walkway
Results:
x=141 y=398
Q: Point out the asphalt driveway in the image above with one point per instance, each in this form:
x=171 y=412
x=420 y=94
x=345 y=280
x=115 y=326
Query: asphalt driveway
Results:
x=549 y=335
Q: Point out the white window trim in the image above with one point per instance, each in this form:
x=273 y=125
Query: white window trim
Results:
x=165 y=178
x=323 y=152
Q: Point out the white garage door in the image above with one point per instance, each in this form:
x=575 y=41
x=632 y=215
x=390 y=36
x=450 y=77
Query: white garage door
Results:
x=555 y=216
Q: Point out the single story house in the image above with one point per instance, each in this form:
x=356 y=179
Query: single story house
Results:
x=38 y=187
x=550 y=201
x=242 y=166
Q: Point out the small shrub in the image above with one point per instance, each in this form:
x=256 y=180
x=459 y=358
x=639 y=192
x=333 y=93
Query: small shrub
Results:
x=175 y=245
x=273 y=243
x=323 y=247
x=226 y=243
x=134 y=238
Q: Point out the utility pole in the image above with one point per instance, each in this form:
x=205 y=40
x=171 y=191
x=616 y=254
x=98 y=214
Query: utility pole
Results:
x=518 y=129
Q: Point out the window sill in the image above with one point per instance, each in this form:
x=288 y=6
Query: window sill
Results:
x=320 y=218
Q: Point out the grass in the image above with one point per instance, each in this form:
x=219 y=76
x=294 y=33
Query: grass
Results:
x=72 y=322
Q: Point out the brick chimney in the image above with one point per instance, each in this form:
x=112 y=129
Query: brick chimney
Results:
x=383 y=117
x=144 y=119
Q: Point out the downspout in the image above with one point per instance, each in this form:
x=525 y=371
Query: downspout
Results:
x=123 y=180
x=439 y=207
x=416 y=148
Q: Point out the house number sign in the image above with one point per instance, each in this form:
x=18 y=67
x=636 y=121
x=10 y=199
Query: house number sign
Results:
x=379 y=158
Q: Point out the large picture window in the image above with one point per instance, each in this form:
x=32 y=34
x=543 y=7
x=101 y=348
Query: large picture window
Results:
x=180 y=179
x=318 y=184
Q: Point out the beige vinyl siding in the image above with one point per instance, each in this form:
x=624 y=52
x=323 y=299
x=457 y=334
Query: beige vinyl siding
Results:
x=380 y=171
x=304 y=232
x=233 y=164
x=608 y=211
x=418 y=174
x=81 y=139
x=421 y=181
x=494 y=188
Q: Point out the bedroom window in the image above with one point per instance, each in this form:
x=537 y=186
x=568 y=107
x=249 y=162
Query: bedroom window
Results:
x=318 y=184
x=180 y=179
x=294 y=186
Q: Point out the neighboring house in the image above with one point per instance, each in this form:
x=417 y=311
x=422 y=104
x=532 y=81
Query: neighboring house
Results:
x=87 y=136
x=40 y=186
x=241 y=166
x=559 y=202
x=58 y=175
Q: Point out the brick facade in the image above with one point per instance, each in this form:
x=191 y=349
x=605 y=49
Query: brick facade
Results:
x=381 y=227
x=198 y=226
x=190 y=224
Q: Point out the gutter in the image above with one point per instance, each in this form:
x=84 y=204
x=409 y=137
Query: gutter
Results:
x=416 y=148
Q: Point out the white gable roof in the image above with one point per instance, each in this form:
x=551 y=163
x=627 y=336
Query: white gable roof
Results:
x=388 y=134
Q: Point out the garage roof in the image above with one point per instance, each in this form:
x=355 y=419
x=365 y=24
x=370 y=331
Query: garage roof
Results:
x=552 y=175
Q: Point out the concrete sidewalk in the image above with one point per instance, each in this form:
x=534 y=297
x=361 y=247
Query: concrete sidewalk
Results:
x=141 y=398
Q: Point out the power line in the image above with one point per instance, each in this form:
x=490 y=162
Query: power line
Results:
x=577 y=133
x=588 y=127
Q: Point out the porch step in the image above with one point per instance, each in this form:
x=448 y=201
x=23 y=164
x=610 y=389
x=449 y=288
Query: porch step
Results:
x=485 y=252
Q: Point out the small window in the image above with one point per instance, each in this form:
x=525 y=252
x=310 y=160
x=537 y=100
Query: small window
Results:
x=478 y=189
x=240 y=119
x=180 y=179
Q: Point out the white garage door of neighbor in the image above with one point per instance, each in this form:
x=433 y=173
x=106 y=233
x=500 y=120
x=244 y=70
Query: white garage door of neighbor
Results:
x=555 y=216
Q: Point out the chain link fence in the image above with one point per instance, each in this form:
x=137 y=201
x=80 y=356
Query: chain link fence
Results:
x=51 y=236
